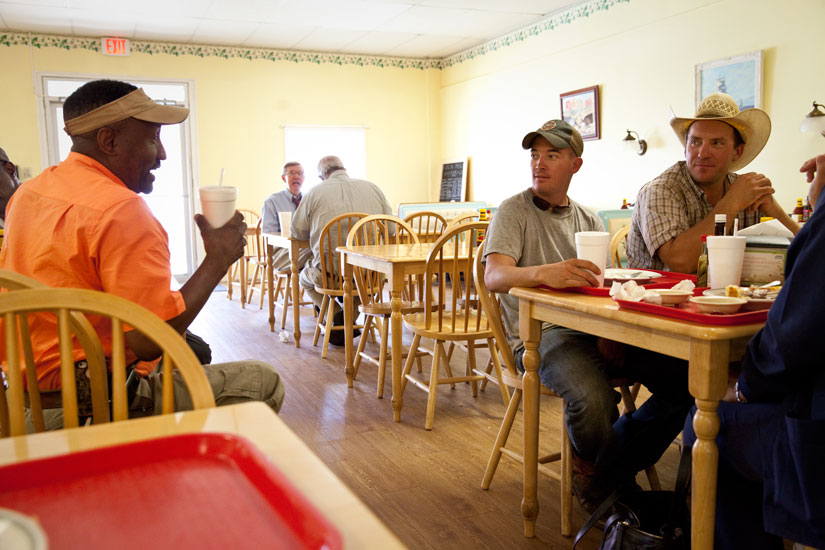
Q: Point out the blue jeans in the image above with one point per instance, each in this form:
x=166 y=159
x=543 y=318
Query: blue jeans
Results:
x=572 y=366
x=746 y=440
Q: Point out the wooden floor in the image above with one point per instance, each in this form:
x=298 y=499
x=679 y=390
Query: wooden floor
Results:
x=424 y=485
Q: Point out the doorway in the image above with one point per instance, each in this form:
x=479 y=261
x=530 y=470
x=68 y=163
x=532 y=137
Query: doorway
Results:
x=171 y=201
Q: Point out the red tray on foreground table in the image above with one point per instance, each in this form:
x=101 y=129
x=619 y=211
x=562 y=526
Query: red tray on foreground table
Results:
x=688 y=311
x=667 y=280
x=186 y=491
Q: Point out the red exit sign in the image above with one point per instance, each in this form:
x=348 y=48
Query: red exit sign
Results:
x=114 y=46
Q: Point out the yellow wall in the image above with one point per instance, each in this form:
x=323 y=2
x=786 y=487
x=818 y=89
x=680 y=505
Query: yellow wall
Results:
x=241 y=106
x=642 y=55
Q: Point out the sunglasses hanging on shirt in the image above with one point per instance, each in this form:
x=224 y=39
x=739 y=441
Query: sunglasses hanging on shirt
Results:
x=543 y=205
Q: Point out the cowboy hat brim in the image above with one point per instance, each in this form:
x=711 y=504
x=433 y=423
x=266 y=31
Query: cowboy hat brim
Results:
x=754 y=125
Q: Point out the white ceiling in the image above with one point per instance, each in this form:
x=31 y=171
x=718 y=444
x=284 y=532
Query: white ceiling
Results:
x=398 y=28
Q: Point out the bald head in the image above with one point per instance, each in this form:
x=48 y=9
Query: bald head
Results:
x=328 y=165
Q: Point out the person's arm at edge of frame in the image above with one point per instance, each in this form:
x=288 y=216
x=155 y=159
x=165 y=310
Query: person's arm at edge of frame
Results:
x=502 y=274
x=741 y=391
x=224 y=246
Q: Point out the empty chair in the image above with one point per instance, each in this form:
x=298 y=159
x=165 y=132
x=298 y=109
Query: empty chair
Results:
x=239 y=270
x=450 y=315
x=618 y=242
x=386 y=230
x=429 y=226
x=63 y=303
x=471 y=216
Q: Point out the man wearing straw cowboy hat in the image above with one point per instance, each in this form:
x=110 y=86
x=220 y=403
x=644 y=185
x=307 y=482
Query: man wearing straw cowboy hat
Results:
x=675 y=209
x=82 y=224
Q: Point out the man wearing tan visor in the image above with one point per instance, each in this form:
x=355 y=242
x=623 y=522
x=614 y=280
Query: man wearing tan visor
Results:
x=82 y=224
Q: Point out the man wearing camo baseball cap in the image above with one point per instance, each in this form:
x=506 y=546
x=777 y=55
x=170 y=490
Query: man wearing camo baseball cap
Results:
x=531 y=242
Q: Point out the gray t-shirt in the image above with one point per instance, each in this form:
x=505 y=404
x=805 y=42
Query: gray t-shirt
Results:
x=534 y=237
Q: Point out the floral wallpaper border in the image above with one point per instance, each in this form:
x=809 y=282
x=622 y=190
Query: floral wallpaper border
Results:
x=201 y=50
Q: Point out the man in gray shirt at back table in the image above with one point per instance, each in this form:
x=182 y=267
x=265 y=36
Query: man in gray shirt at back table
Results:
x=336 y=195
x=285 y=201
x=531 y=242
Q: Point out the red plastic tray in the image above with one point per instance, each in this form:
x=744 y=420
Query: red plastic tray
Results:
x=185 y=491
x=668 y=279
x=689 y=312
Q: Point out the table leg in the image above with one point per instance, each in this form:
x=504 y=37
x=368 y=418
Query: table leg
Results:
x=530 y=331
x=294 y=252
x=348 y=320
x=396 y=286
x=270 y=287
x=708 y=382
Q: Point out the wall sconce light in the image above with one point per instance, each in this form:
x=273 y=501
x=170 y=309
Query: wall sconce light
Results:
x=814 y=121
x=634 y=143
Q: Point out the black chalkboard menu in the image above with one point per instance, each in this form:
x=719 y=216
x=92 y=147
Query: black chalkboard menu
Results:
x=453 y=180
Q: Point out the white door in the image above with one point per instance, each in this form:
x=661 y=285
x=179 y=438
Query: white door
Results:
x=171 y=200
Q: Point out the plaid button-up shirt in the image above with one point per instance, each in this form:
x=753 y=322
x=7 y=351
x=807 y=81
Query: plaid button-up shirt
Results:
x=666 y=207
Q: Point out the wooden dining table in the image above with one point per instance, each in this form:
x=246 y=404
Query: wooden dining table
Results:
x=358 y=526
x=294 y=246
x=396 y=261
x=707 y=348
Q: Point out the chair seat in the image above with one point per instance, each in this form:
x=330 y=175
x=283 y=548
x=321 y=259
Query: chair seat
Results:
x=417 y=323
x=384 y=309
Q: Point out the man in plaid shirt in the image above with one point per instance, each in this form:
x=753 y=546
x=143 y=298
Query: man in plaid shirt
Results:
x=675 y=209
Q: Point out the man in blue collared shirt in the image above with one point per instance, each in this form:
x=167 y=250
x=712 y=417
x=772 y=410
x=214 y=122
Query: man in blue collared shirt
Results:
x=771 y=483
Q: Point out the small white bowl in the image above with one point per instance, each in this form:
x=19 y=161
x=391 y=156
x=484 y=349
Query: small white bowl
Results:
x=718 y=304
x=671 y=297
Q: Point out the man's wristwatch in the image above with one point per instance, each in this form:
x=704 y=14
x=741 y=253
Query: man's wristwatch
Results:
x=740 y=397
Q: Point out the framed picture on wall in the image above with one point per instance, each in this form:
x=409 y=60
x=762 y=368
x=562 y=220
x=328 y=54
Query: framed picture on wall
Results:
x=580 y=109
x=739 y=76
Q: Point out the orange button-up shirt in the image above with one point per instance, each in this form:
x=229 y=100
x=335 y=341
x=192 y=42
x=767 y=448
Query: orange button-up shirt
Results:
x=77 y=225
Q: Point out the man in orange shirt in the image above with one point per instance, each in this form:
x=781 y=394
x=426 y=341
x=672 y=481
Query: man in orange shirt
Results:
x=82 y=224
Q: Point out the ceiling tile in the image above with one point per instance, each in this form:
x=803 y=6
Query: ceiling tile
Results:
x=378 y=43
x=213 y=31
x=456 y=22
x=37 y=19
x=327 y=40
x=277 y=36
x=165 y=29
x=334 y=14
x=95 y=23
x=423 y=45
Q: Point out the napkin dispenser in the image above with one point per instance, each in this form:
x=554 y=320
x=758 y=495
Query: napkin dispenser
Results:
x=764 y=259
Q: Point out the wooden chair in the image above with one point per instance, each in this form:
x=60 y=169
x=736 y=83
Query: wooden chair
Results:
x=513 y=379
x=333 y=235
x=256 y=246
x=617 y=245
x=462 y=218
x=379 y=230
x=85 y=335
x=240 y=268
x=429 y=226
x=62 y=302
x=446 y=319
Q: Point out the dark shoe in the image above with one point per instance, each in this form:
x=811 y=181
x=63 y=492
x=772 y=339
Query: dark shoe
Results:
x=338 y=337
x=588 y=485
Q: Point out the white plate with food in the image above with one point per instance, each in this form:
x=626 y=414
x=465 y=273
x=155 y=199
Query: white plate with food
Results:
x=758 y=297
x=622 y=275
